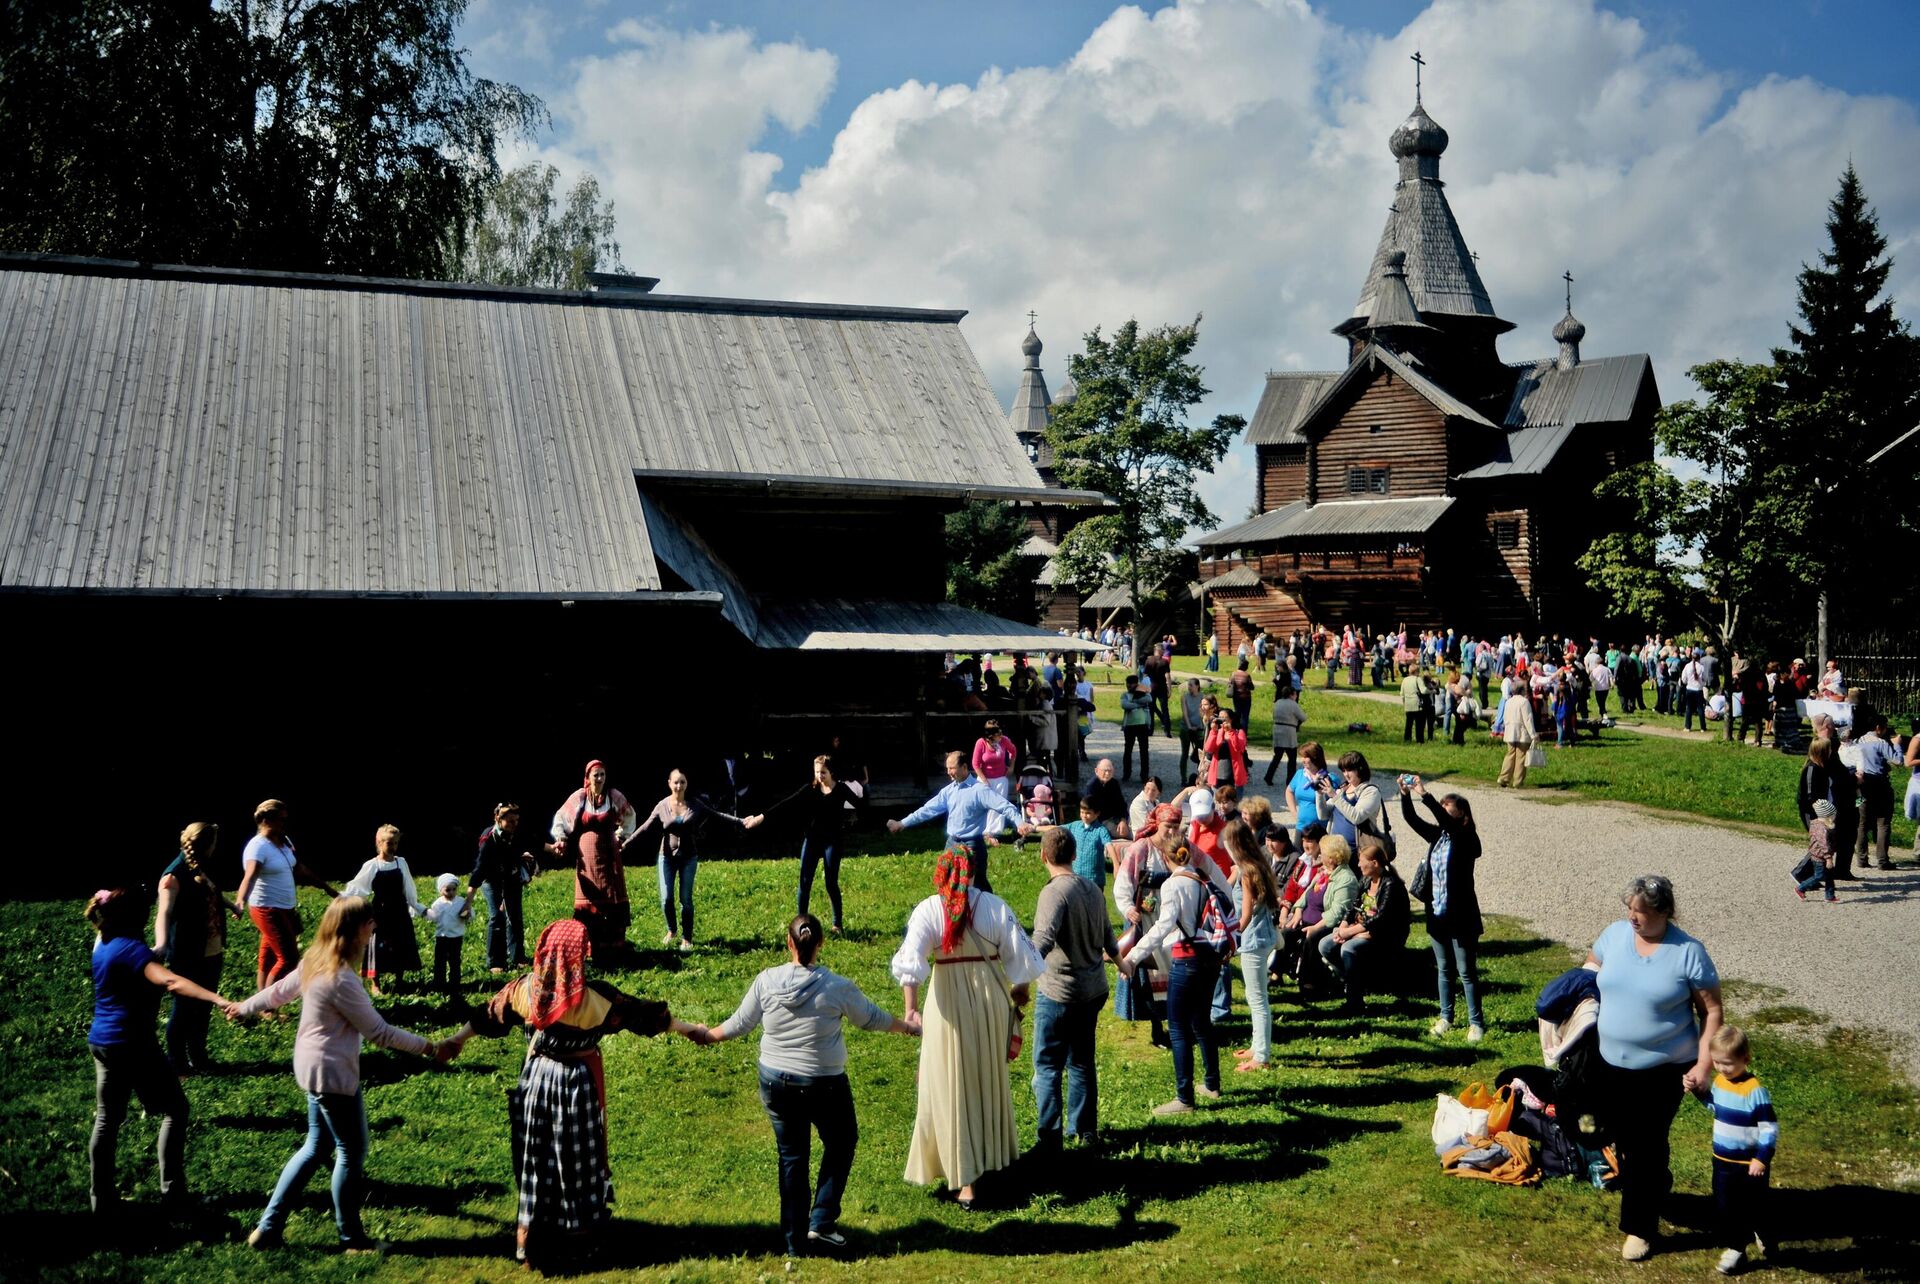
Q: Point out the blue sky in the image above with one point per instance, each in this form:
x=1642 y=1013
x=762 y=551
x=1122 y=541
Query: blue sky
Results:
x=1096 y=162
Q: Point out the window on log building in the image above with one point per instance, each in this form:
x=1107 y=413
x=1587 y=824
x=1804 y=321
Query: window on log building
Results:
x=1506 y=533
x=1367 y=481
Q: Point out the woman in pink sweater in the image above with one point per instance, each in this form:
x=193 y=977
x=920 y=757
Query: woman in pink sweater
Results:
x=993 y=763
x=335 y=1014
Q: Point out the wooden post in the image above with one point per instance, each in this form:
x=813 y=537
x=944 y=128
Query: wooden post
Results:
x=920 y=742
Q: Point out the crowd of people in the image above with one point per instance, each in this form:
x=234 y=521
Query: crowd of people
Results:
x=1311 y=890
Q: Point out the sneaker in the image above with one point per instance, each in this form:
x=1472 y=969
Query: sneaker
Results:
x=1801 y=892
x=363 y=1245
x=1730 y=1261
x=1249 y=1065
x=1832 y=899
x=1636 y=1249
x=1440 y=1027
x=1202 y=1090
x=830 y=1238
x=667 y=940
x=1475 y=1033
x=686 y=946
x=1174 y=1107
x=262 y=1238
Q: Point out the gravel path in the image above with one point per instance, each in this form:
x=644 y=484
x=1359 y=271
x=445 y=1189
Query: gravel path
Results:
x=1560 y=866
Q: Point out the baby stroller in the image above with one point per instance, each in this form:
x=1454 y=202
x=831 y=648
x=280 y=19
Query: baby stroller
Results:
x=1035 y=790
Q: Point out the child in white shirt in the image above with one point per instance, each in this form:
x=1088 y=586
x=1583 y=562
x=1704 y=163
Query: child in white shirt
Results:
x=450 y=914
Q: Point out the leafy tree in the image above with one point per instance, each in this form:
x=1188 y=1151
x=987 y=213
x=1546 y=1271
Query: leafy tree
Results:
x=311 y=135
x=1125 y=434
x=518 y=241
x=983 y=542
x=1718 y=544
x=1852 y=373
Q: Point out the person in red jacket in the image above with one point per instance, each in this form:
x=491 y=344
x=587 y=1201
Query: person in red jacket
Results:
x=1226 y=747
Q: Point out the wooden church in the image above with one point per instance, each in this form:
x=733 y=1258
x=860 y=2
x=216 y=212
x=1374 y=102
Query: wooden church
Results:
x=1429 y=483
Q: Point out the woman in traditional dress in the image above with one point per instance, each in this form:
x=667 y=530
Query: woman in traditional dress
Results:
x=388 y=883
x=589 y=831
x=1137 y=878
x=981 y=964
x=560 y=1106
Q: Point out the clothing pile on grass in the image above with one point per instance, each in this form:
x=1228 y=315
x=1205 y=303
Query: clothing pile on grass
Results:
x=1537 y=1121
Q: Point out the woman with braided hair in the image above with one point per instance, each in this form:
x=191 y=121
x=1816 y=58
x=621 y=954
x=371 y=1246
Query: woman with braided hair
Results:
x=190 y=934
x=980 y=963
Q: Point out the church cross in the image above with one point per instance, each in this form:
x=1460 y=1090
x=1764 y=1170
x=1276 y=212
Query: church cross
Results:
x=1032 y=316
x=1418 y=63
x=1568 y=278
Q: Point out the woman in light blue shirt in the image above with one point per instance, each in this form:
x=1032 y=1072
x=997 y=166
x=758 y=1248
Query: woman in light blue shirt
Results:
x=1304 y=788
x=1652 y=977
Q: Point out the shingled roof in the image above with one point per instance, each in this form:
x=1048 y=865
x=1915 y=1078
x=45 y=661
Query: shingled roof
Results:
x=1440 y=270
x=1284 y=406
x=196 y=430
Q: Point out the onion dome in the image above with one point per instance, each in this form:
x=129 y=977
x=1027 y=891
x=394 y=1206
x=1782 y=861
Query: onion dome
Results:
x=1418 y=135
x=1030 y=347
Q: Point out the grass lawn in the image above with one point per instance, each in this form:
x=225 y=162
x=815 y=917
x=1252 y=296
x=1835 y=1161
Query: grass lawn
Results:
x=1707 y=778
x=1322 y=1169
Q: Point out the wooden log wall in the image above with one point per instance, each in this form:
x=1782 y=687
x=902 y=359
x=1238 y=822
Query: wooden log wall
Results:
x=1280 y=477
x=1388 y=426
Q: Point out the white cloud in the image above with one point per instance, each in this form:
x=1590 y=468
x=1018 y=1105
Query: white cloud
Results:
x=1230 y=158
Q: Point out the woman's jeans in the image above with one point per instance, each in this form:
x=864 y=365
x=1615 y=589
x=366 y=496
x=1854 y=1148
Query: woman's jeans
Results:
x=1063 y=1038
x=506 y=926
x=673 y=867
x=187 y=1023
x=798 y=1105
x=815 y=852
x=339 y=1120
x=1640 y=1107
x=1189 y=1000
x=1348 y=960
x=1253 y=971
x=1459 y=958
x=122 y=1071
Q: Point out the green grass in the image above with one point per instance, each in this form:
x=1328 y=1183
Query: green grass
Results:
x=1710 y=779
x=1322 y=1169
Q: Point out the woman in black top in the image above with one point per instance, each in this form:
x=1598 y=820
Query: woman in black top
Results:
x=1825 y=776
x=1352 y=949
x=190 y=935
x=1453 y=904
x=822 y=803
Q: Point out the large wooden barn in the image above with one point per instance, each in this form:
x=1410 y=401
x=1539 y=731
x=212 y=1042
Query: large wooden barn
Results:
x=394 y=550
x=1429 y=484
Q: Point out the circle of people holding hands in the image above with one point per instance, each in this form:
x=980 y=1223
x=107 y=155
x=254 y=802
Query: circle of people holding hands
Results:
x=1199 y=880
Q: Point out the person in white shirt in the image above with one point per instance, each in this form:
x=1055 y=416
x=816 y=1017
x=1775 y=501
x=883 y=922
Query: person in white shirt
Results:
x=449 y=914
x=388 y=883
x=1693 y=692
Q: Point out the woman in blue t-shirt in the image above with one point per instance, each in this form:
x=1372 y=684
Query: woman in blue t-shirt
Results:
x=1652 y=976
x=1305 y=790
x=127 y=984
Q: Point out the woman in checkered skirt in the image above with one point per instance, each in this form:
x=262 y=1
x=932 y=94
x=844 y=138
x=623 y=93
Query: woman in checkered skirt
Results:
x=560 y=1106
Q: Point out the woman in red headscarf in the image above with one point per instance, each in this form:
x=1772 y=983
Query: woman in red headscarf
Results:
x=981 y=963
x=589 y=831
x=560 y=1106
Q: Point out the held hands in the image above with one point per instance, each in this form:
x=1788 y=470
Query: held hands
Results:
x=894 y=827
x=1696 y=1079
x=445 y=1050
x=228 y=1008
x=1024 y=830
x=912 y=1021
x=1133 y=913
x=753 y=822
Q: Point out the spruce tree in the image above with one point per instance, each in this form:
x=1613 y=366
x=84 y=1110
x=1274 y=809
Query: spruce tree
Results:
x=1853 y=375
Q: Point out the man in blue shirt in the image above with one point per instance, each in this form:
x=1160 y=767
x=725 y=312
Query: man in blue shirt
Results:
x=966 y=803
x=1877 y=757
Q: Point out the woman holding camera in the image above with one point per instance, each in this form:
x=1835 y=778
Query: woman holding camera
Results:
x=1224 y=740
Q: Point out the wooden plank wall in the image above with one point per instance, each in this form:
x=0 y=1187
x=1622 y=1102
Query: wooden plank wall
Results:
x=1280 y=477
x=1388 y=426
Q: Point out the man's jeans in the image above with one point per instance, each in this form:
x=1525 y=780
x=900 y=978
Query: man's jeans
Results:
x=506 y=925
x=1063 y=1037
x=338 y=1119
x=797 y=1105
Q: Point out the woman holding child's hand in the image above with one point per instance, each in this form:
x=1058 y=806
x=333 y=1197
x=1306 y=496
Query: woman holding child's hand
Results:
x=803 y=1076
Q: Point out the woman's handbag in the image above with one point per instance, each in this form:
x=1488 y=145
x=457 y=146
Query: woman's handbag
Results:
x=1537 y=756
x=1421 y=886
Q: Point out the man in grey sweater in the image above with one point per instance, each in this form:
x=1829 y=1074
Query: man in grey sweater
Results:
x=1071 y=931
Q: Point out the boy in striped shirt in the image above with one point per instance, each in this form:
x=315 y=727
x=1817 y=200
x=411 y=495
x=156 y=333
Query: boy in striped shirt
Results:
x=1745 y=1133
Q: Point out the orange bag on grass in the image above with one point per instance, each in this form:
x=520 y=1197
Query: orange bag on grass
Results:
x=1499 y=1104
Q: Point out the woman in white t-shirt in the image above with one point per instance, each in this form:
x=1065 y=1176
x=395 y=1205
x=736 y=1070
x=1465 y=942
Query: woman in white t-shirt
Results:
x=271 y=875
